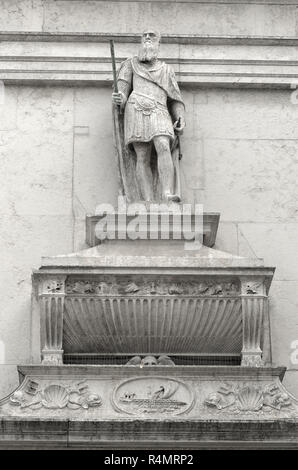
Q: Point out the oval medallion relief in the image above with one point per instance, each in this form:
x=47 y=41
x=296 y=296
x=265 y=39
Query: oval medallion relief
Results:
x=152 y=395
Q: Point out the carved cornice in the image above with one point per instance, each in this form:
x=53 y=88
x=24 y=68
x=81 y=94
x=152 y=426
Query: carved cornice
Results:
x=158 y=266
x=243 y=61
x=220 y=372
x=199 y=39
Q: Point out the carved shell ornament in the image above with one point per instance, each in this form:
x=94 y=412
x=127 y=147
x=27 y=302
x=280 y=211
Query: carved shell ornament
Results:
x=249 y=399
x=56 y=396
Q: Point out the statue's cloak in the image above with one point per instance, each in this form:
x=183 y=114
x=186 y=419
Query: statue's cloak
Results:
x=165 y=79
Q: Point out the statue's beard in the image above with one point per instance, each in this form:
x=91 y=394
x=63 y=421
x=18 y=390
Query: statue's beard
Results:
x=148 y=52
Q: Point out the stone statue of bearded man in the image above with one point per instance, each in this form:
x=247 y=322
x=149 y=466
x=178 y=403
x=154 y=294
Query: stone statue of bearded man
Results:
x=149 y=113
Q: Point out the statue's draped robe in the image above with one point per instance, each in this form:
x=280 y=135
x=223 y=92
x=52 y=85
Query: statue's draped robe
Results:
x=147 y=114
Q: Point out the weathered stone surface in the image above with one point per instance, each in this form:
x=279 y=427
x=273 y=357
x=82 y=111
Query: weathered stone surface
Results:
x=196 y=17
x=36 y=154
x=15 y=310
x=263 y=184
x=8 y=110
x=291 y=379
x=276 y=241
x=236 y=17
x=227 y=237
x=21 y=15
x=9 y=371
x=244 y=115
x=95 y=164
x=24 y=240
x=284 y=324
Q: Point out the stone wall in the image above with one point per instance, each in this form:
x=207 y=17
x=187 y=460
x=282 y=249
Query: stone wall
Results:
x=56 y=147
x=215 y=17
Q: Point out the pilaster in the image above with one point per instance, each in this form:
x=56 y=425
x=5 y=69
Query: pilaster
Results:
x=253 y=293
x=51 y=301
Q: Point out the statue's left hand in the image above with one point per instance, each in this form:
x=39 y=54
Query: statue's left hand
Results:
x=179 y=125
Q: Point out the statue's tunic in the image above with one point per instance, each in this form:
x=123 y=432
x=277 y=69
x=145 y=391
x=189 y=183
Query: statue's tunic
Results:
x=149 y=92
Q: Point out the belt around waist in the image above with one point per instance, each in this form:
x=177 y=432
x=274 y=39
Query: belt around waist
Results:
x=146 y=96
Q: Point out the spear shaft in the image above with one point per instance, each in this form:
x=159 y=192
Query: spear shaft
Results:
x=114 y=66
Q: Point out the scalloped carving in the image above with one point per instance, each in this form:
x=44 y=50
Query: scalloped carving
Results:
x=55 y=396
x=250 y=398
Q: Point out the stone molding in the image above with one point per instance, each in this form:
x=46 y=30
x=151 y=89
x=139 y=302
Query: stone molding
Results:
x=197 y=39
x=83 y=58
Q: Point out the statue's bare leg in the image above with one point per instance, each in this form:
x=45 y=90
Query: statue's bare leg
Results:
x=143 y=169
x=165 y=167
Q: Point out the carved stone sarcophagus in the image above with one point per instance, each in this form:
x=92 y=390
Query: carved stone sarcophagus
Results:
x=206 y=303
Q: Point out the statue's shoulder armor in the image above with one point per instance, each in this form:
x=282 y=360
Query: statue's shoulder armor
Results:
x=125 y=71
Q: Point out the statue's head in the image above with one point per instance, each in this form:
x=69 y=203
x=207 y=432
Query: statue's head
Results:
x=150 y=46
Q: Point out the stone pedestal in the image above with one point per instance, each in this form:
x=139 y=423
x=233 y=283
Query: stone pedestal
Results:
x=171 y=222
x=121 y=301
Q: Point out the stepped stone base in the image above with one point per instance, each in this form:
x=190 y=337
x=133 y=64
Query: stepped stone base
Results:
x=154 y=407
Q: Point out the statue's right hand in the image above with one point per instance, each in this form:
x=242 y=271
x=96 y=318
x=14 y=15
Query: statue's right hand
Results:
x=118 y=99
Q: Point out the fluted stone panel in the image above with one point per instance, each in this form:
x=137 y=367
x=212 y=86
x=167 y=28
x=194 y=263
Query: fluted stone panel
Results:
x=53 y=317
x=152 y=324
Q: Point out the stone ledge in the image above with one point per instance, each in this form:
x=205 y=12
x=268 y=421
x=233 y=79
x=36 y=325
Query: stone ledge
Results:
x=229 y=61
x=215 y=372
x=53 y=267
x=262 y=425
x=67 y=434
x=33 y=36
